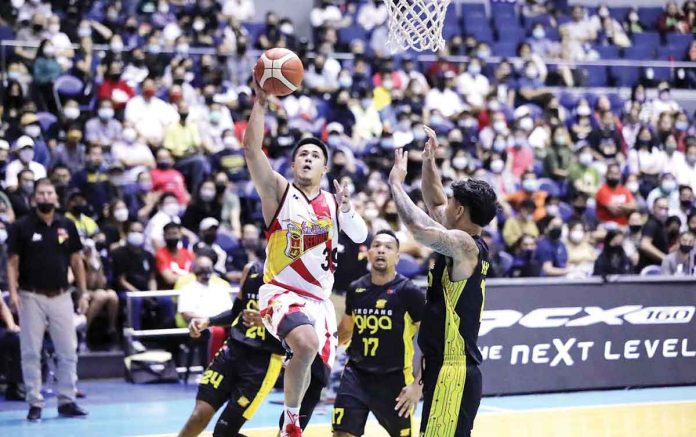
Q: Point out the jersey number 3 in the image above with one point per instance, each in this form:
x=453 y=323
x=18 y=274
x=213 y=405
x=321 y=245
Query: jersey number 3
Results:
x=331 y=259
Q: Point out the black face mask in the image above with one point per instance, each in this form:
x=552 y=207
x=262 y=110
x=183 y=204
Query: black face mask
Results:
x=528 y=254
x=45 y=207
x=686 y=204
x=209 y=239
x=635 y=228
x=686 y=248
x=555 y=233
x=391 y=216
x=612 y=182
x=337 y=168
x=183 y=116
x=100 y=245
x=220 y=188
x=78 y=210
x=178 y=82
x=164 y=165
x=614 y=249
x=579 y=209
x=172 y=243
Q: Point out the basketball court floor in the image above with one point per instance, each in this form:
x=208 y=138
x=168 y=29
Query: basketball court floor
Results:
x=120 y=409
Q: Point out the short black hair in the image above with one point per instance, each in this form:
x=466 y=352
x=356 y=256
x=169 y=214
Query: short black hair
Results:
x=311 y=140
x=479 y=197
x=390 y=233
x=171 y=225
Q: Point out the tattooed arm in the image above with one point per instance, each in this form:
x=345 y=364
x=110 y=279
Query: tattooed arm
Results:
x=449 y=242
x=431 y=183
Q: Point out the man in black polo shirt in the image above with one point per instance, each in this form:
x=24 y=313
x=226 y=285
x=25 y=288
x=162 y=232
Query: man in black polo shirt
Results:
x=654 y=244
x=41 y=247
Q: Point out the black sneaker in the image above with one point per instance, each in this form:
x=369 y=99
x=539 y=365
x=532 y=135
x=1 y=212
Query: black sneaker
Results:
x=71 y=410
x=34 y=414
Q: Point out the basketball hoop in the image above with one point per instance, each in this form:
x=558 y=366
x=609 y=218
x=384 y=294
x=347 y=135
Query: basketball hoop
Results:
x=416 y=24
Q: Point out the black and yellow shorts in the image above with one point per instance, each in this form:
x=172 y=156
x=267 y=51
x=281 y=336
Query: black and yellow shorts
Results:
x=239 y=374
x=451 y=397
x=361 y=393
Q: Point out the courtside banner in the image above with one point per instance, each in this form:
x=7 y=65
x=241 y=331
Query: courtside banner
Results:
x=543 y=335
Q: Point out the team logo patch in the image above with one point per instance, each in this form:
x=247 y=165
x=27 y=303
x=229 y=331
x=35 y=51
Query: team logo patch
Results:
x=381 y=303
x=243 y=401
x=304 y=236
x=62 y=235
x=36 y=237
x=405 y=432
x=360 y=290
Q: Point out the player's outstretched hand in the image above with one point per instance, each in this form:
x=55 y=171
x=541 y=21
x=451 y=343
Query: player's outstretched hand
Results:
x=258 y=90
x=198 y=325
x=251 y=318
x=398 y=172
x=431 y=144
x=408 y=399
x=342 y=195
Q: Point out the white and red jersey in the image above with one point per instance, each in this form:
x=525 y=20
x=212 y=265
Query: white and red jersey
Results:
x=302 y=240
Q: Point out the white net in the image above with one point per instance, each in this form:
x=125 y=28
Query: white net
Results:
x=416 y=24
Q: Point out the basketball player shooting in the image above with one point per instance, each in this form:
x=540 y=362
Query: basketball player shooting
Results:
x=456 y=290
x=302 y=226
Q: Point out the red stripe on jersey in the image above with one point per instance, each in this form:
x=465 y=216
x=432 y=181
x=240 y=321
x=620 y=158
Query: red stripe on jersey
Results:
x=299 y=266
x=332 y=266
x=275 y=226
x=295 y=290
x=326 y=350
x=320 y=207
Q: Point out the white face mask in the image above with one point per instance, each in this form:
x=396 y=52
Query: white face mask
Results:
x=106 y=113
x=33 y=130
x=207 y=195
x=576 y=236
x=371 y=214
x=136 y=239
x=460 y=162
x=553 y=210
x=632 y=186
x=527 y=123
x=26 y=155
x=586 y=159
x=71 y=112
x=229 y=141
x=3 y=236
x=497 y=166
x=121 y=215
x=171 y=209
x=129 y=134
x=54 y=28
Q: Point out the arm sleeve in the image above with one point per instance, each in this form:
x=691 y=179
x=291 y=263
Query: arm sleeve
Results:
x=74 y=238
x=227 y=317
x=349 y=299
x=353 y=225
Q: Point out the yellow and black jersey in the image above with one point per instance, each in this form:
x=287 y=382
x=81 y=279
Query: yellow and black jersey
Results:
x=254 y=336
x=452 y=315
x=384 y=324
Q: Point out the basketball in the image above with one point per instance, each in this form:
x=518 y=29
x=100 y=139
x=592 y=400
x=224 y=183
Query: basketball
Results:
x=279 y=71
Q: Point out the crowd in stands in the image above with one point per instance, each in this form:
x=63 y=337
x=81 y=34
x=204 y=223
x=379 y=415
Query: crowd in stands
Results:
x=143 y=137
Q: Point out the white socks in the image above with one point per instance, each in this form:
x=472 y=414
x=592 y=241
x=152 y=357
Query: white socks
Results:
x=292 y=415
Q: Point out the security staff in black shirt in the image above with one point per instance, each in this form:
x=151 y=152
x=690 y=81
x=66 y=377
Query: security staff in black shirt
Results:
x=41 y=247
x=383 y=312
x=456 y=289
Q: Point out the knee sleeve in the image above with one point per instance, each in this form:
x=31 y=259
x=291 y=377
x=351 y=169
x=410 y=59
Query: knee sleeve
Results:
x=230 y=421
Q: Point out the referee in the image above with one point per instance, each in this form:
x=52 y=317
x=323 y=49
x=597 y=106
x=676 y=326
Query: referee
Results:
x=41 y=246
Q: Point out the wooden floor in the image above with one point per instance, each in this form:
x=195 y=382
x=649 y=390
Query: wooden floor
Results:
x=643 y=420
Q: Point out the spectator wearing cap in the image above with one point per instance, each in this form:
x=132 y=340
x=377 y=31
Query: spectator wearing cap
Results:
x=93 y=181
x=71 y=152
x=203 y=294
x=521 y=223
x=204 y=204
x=149 y=114
x=173 y=260
x=208 y=232
x=682 y=260
x=42 y=246
x=103 y=130
x=32 y=128
x=614 y=201
x=668 y=189
x=24 y=150
x=530 y=191
x=77 y=210
x=250 y=250
x=21 y=197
